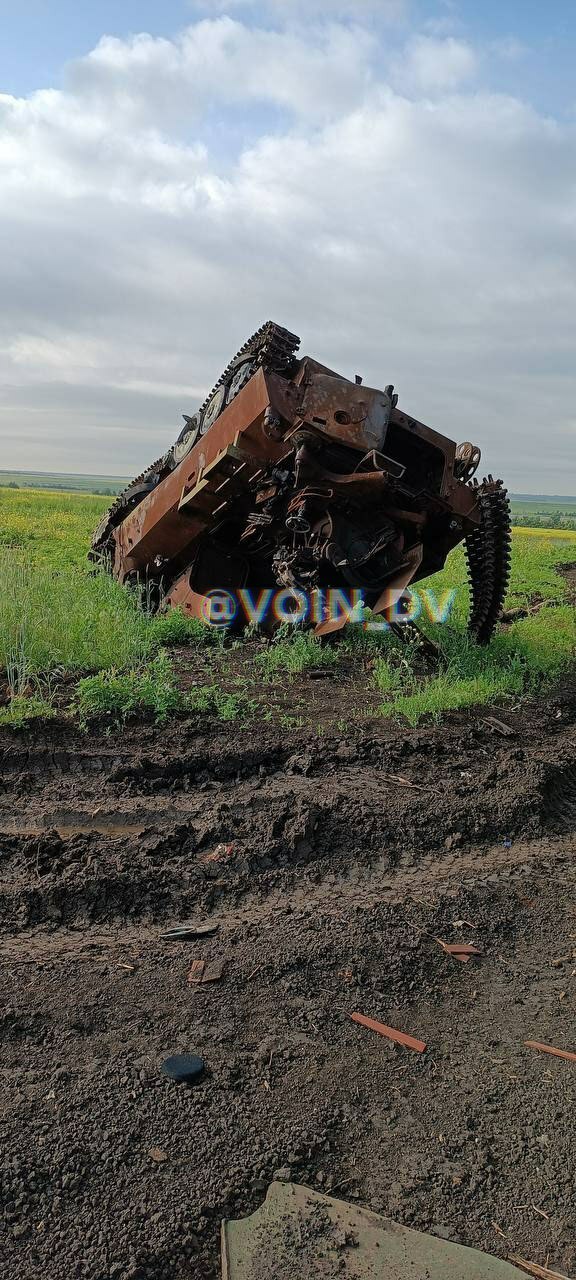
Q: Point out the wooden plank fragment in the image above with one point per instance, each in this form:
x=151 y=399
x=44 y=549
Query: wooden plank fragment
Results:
x=391 y=1033
x=213 y=972
x=549 y=1048
x=458 y=948
x=196 y=971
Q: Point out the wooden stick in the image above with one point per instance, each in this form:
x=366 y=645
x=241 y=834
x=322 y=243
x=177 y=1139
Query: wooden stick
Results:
x=390 y=1032
x=404 y=782
x=542 y=1273
x=549 y=1048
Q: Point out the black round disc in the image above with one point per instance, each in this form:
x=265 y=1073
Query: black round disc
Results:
x=184 y=1068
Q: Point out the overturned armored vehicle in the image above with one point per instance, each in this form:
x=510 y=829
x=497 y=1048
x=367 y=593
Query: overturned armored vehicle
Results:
x=292 y=476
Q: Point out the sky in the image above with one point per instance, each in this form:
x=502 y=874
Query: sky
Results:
x=394 y=180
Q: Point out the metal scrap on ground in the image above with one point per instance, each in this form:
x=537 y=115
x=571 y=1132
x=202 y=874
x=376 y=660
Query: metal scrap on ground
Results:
x=220 y=854
x=299 y=1232
x=187 y=932
x=196 y=971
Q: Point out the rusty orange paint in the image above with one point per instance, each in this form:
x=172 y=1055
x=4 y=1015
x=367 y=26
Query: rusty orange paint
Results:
x=548 y=1048
x=399 y=1037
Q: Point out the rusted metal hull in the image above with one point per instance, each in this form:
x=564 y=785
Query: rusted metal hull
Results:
x=299 y=479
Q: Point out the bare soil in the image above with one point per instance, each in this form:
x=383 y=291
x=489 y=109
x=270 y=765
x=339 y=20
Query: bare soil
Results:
x=330 y=878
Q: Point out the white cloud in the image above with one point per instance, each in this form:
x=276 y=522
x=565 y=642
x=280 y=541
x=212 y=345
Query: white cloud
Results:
x=165 y=82
x=426 y=241
x=433 y=64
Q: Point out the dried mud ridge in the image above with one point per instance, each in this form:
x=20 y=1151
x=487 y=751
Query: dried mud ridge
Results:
x=331 y=868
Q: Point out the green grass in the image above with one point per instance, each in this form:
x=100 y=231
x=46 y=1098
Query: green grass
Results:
x=52 y=529
x=66 y=619
x=120 y=694
x=24 y=708
x=521 y=658
x=61 y=481
x=293 y=652
x=151 y=689
x=57 y=616
x=72 y=620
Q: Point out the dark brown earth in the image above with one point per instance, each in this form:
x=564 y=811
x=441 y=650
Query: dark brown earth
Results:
x=338 y=881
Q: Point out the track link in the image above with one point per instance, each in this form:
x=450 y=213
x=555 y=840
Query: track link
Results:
x=488 y=551
x=271 y=347
x=102 y=545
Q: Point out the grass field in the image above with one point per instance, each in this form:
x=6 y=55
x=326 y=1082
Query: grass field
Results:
x=58 y=620
x=61 y=482
x=545 y=513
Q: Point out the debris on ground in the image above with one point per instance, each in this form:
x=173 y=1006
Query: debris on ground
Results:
x=541 y=1273
x=448 y=1141
x=403 y=782
x=157 y=1154
x=459 y=951
x=196 y=971
x=202 y=971
x=505 y=730
x=214 y=971
x=548 y=1048
x=221 y=853
x=399 y=1037
x=187 y=932
x=183 y=1068
x=300 y=1232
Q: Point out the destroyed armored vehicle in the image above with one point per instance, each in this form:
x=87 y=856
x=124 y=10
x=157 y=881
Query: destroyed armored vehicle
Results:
x=293 y=477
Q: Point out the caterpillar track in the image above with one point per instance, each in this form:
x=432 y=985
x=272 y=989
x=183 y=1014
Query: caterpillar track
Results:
x=291 y=478
x=489 y=549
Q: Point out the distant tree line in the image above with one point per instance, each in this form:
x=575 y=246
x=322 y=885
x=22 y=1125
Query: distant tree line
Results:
x=64 y=488
x=551 y=520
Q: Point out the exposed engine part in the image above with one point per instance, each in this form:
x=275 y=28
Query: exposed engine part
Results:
x=291 y=475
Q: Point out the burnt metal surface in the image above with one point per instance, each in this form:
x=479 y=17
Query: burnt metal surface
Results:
x=292 y=477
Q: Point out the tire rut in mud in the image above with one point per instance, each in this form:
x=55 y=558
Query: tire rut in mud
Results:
x=560 y=798
x=102 y=833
